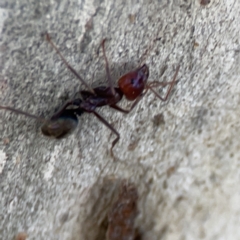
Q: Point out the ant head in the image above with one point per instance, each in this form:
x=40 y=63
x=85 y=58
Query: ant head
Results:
x=60 y=126
x=133 y=83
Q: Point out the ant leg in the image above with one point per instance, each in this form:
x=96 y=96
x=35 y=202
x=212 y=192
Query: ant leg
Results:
x=73 y=102
x=110 y=81
x=111 y=128
x=116 y=107
x=170 y=88
x=22 y=113
x=68 y=65
x=59 y=112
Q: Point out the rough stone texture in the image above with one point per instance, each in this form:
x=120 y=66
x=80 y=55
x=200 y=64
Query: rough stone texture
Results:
x=183 y=155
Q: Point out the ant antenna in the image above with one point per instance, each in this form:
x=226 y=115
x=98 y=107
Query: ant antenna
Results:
x=163 y=84
x=68 y=65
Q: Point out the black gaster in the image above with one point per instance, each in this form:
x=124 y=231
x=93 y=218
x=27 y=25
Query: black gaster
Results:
x=62 y=125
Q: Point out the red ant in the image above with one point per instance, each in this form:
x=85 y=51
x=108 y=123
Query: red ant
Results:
x=121 y=218
x=204 y=2
x=132 y=85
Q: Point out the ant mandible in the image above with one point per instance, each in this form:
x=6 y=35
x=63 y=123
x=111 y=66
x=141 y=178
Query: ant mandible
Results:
x=133 y=85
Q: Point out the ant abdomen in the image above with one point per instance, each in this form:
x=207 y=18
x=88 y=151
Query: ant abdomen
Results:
x=133 y=83
x=62 y=125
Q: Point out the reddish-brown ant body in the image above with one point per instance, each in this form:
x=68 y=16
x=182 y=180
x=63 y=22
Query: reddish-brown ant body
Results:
x=132 y=85
x=122 y=216
x=204 y=2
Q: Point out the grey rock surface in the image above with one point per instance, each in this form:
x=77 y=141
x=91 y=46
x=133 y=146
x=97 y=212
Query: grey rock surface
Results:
x=183 y=154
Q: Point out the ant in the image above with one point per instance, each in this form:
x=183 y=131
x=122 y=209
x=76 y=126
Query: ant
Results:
x=133 y=85
x=204 y=2
x=122 y=216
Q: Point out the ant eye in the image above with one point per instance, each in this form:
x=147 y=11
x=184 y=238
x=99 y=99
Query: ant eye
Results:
x=132 y=81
